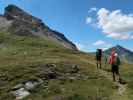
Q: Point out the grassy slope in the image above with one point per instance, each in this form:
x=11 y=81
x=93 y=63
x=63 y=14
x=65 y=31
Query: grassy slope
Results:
x=22 y=58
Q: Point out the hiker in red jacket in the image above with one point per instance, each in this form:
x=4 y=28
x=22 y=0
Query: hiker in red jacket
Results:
x=115 y=62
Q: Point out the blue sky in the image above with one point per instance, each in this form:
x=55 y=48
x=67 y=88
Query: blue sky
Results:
x=90 y=24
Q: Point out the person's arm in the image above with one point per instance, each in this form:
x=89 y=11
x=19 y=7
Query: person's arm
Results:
x=110 y=60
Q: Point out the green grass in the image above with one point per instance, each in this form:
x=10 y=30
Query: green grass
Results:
x=22 y=58
x=76 y=90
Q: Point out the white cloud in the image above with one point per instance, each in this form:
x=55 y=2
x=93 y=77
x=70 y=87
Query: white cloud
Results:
x=99 y=43
x=84 y=47
x=115 y=24
x=92 y=9
x=132 y=37
x=88 y=20
x=132 y=49
x=123 y=36
x=102 y=44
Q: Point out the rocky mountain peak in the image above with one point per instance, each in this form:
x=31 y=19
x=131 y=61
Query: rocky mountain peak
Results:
x=118 y=46
x=24 y=23
x=13 y=12
x=13 y=9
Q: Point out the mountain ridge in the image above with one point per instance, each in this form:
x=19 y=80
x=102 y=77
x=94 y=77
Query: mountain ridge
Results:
x=17 y=21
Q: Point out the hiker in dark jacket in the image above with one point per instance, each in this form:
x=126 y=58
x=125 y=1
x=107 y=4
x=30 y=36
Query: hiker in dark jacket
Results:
x=99 y=58
x=115 y=62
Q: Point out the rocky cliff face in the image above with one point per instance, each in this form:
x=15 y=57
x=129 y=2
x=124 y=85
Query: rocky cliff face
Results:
x=19 y=22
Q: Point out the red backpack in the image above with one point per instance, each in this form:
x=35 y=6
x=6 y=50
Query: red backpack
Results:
x=111 y=59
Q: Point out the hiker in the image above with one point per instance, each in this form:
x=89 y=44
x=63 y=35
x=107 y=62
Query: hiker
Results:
x=98 y=58
x=114 y=60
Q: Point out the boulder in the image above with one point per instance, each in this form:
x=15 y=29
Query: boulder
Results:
x=20 y=93
x=30 y=85
x=48 y=72
x=22 y=90
x=75 y=69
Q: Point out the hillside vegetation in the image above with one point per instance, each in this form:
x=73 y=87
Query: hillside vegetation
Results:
x=24 y=58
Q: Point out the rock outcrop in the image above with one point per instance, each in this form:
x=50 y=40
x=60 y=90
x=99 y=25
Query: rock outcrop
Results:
x=48 y=72
x=22 y=90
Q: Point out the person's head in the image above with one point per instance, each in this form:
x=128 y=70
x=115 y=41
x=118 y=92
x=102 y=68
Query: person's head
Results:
x=99 y=49
x=113 y=49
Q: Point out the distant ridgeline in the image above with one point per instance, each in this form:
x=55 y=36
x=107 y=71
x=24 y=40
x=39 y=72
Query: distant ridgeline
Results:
x=19 y=22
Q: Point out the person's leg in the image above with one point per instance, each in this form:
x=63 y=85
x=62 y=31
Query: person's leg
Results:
x=97 y=63
x=114 y=77
x=117 y=74
x=113 y=73
x=100 y=64
x=118 y=77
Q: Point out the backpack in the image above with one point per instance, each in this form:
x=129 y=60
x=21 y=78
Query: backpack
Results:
x=116 y=61
x=99 y=52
